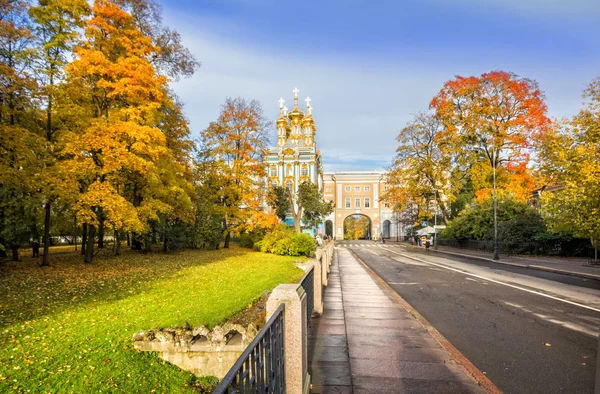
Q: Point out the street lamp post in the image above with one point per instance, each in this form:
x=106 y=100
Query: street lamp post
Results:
x=496 y=251
x=435 y=244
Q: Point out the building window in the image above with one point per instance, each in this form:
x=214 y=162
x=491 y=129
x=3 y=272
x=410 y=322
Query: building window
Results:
x=367 y=202
x=289 y=170
x=357 y=189
x=288 y=185
x=367 y=189
x=328 y=189
x=348 y=202
x=357 y=202
x=304 y=170
x=273 y=171
x=348 y=188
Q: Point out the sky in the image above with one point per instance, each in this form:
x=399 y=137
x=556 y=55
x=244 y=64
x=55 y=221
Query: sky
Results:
x=369 y=66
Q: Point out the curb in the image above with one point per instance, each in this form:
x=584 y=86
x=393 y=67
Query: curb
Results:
x=528 y=266
x=480 y=378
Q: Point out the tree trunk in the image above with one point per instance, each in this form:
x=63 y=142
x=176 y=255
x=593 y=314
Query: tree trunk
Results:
x=117 y=246
x=165 y=244
x=83 y=238
x=148 y=244
x=89 y=252
x=128 y=240
x=46 y=239
x=15 y=253
x=136 y=244
x=100 y=228
x=227 y=239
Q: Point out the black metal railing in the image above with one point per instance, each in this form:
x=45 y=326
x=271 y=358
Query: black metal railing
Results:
x=308 y=284
x=574 y=248
x=261 y=368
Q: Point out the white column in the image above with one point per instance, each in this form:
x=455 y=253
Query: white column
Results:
x=339 y=195
x=376 y=195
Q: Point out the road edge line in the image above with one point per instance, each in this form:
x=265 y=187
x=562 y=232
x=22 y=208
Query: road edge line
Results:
x=527 y=266
x=480 y=378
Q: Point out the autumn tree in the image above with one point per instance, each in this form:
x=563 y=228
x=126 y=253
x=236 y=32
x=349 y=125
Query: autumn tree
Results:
x=491 y=122
x=570 y=157
x=121 y=158
x=55 y=24
x=18 y=145
x=423 y=166
x=235 y=142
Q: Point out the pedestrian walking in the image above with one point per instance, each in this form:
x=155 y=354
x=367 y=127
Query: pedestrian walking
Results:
x=35 y=247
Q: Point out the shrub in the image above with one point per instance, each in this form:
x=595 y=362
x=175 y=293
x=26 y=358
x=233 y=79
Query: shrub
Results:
x=517 y=222
x=285 y=242
x=248 y=240
x=304 y=245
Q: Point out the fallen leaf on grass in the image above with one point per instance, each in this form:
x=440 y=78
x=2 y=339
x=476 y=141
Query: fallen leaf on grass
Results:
x=547 y=344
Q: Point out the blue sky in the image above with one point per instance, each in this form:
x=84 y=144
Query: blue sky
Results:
x=369 y=65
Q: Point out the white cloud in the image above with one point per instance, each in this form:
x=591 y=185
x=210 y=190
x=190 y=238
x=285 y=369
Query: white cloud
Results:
x=360 y=104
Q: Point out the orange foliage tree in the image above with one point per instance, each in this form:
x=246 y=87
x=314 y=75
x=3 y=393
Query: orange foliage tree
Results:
x=236 y=143
x=120 y=158
x=492 y=121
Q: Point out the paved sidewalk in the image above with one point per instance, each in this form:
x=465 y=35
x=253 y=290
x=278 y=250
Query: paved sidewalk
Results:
x=366 y=343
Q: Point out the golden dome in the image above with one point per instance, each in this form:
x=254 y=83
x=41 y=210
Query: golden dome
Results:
x=281 y=120
x=296 y=114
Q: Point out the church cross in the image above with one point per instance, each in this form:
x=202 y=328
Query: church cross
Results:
x=281 y=101
x=296 y=91
x=308 y=100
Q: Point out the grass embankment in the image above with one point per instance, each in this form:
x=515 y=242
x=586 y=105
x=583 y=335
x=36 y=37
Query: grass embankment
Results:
x=68 y=327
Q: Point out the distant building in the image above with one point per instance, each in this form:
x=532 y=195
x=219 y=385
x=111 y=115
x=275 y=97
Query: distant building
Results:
x=535 y=200
x=296 y=158
x=359 y=193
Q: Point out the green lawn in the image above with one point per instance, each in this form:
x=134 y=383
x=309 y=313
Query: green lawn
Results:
x=68 y=327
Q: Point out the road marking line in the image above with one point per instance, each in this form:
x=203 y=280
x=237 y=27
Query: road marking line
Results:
x=498 y=282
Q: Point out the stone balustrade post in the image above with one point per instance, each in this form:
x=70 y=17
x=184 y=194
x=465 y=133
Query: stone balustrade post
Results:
x=295 y=335
x=321 y=256
x=317 y=285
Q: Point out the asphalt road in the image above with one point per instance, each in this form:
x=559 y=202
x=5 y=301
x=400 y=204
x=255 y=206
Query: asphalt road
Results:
x=529 y=332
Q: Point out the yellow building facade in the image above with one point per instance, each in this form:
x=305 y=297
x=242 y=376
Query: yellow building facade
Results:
x=358 y=193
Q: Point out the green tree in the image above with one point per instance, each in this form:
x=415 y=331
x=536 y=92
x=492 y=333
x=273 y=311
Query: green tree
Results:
x=279 y=200
x=517 y=222
x=570 y=157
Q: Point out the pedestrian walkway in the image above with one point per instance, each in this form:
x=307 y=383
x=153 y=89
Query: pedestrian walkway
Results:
x=366 y=343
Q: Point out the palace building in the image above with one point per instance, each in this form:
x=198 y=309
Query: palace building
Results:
x=296 y=159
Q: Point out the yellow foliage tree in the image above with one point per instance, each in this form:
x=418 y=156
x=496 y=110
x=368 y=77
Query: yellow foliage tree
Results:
x=120 y=158
x=236 y=142
x=570 y=156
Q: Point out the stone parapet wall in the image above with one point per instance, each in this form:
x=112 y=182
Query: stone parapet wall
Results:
x=199 y=350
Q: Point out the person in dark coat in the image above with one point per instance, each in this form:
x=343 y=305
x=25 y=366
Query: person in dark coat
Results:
x=35 y=246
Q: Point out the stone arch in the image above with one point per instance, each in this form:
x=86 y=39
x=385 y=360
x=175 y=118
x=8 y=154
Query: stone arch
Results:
x=386 y=228
x=356 y=227
x=329 y=228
